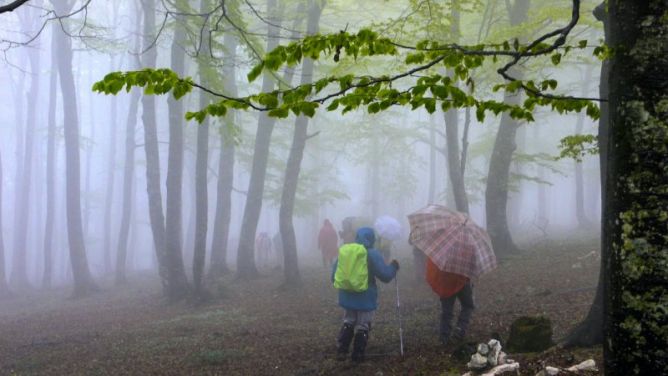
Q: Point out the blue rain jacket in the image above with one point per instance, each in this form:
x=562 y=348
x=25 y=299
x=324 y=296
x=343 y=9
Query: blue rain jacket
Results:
x=367 y=300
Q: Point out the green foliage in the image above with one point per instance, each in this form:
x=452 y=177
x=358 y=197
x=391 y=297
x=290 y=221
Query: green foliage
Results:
x=578 y=146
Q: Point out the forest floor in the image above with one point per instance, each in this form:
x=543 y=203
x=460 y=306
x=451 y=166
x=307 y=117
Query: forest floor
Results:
x=254 y=328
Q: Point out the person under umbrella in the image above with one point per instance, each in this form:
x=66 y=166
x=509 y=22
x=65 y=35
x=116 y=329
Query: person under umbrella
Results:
x=457 y=251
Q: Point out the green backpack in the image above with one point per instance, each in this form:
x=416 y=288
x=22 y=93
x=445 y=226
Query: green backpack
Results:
x=352 y=273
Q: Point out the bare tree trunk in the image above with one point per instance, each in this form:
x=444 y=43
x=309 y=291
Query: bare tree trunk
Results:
x=51 y=163
x=580 y=214
x=4 y=289
x=293 y=167
x=174 y=214
x=431 y=195
x=201 y=203
x=246 y=252
x=19 y=276
x=496 y=194
x=156 y=213
x=451 y=116
x=128 y=181
x=221 y=226
x=111 y=171
x=83 y=282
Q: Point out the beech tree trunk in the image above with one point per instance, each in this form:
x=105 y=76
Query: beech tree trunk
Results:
x=156 y=214
x=246 y=252
x=51 y=163
x=580 y=213
x=293 y=167
x=174 y=214
x=83 y=282
x=496 y=194
x=636 y=197
x=4 y=289
x=221 y=226
x=19 y=276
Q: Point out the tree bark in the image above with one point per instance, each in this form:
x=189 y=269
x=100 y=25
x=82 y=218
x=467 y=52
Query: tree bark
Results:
x=635 y=222
x=156 y=214
x=128 y=179
x=293 y=167
x=455 y=170
x=246 y=252
x=221 y=227
x=174 y=184
x=19 y=276
x=4 y=289
x=496 y=194
x=51 y=163
x=83 y=282
x=580 y=213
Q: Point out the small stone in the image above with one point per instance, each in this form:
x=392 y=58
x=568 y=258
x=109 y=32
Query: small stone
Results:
x=501 y=359
x=551 y=371
x=483 y=349
x=477 y=362
x=494 y=350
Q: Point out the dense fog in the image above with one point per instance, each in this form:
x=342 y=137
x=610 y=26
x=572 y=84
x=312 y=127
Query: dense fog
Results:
x=355 y=164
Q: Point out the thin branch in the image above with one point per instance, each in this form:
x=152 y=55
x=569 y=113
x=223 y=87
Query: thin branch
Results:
x=12 y=6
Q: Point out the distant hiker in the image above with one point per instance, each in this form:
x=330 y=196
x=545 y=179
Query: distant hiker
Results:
x=354 y=274
x=349 y=227
x=328 y=243
x=451 y=287
x=263 y=249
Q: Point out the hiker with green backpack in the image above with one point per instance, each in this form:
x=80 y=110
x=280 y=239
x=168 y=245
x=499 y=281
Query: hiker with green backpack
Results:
x=354 y=275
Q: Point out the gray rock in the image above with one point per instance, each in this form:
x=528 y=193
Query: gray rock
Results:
x=483 y=349
x=477 y=362
x=494 y=350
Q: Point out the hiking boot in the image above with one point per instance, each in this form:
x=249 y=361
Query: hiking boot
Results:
x=361 y=338
x=343 y=341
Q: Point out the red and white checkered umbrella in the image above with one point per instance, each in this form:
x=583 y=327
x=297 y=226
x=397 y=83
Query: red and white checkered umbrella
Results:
x=452 y=241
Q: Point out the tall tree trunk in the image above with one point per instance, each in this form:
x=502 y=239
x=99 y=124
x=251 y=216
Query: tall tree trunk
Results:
x=580 y=214
x=128 y=180
x=293 y=167
x=19 y=276
x=590 y=331
x=221 y=226
x=246 y=252
x=636 y=197
x=201 y=202
x=83 y=282
x=156 y=214
x=51 y=163
x=174 y=214
x=201 y=167
x=431 y=195
x=4 y=289
x=455 y=170
x=496 y=194
x=111 y=175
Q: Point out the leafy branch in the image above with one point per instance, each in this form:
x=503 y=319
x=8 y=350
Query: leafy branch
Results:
x=426 y=88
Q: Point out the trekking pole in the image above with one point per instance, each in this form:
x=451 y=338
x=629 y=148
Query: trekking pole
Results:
x=401 y=330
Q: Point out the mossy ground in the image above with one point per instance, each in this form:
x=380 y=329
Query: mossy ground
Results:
x=254 y=328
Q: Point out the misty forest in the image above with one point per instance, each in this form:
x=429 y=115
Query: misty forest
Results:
x=333 y=187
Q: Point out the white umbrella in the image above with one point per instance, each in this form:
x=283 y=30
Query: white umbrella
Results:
x=388 y=228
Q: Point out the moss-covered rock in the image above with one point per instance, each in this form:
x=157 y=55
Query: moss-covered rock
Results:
x=530 y=334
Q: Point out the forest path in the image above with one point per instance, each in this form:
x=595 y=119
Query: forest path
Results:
x=252 y=328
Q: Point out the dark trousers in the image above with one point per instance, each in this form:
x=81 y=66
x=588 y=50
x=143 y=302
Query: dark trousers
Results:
x=465 y=297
